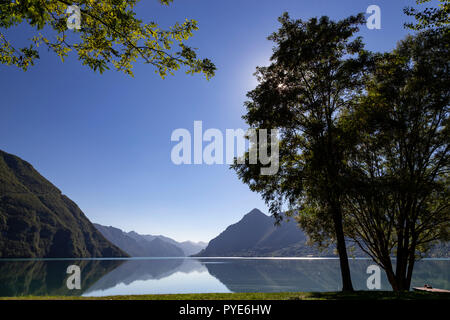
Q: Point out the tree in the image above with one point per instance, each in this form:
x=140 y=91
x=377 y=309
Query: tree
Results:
x=110 y=36
x=398 y=189
x=316 y=66
x=436 y=18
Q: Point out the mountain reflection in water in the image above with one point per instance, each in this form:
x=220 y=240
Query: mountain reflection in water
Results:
x=102 y=277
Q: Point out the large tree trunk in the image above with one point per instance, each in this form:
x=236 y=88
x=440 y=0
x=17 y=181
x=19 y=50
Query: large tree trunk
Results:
x=399 y=282
x=403 y=270
x=392 y=279
x=342 y=250
x=401 y=279
x=412 y=261
x=400 y=273
x=332 y=167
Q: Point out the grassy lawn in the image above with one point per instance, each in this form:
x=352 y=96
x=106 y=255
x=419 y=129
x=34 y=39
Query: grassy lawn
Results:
x=358 y=295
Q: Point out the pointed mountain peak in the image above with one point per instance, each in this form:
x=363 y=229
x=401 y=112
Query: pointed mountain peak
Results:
x=255 y=212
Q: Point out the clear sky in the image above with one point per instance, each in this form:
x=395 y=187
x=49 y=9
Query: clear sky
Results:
x=104 y=140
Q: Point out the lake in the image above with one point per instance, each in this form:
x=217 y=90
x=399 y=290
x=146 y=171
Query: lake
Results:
x=103 y=277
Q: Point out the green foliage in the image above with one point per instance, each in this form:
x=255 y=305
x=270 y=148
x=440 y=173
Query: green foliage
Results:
x=398 y=182
x=317 y=66
x=110 y=36
x=363 y=137
x=436 y=18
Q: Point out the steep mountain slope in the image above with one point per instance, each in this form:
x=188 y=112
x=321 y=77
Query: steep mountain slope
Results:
x=241 y=237
x=36 y=220
x=256 y=235
x=139 y=246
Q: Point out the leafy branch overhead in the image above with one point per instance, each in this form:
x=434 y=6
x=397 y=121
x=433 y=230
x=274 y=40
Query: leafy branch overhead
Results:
x=110 y=36
x=436 y=17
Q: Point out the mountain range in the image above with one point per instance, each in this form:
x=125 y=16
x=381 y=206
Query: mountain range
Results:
x=137 y=245
x=256 y=235
x=37 y=220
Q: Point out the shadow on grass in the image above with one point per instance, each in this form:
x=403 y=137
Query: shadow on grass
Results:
x=373 y=295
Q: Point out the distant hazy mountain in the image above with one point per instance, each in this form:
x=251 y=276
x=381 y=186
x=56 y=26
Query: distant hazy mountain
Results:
x=256 y=235
x=138 y=245
x=190 y=248
x=36 y=220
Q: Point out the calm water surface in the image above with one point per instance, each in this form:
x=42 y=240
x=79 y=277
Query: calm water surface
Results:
x=102 y=277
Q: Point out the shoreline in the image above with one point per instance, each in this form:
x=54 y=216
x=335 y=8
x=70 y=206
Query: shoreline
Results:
x=357 y=295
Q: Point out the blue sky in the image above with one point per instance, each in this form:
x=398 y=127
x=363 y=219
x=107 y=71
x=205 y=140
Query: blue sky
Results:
x=104 y=140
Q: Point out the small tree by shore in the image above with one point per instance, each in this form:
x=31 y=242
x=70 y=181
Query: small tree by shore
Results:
x=397 y=200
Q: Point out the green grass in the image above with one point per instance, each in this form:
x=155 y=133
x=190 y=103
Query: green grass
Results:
x=358 y=295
